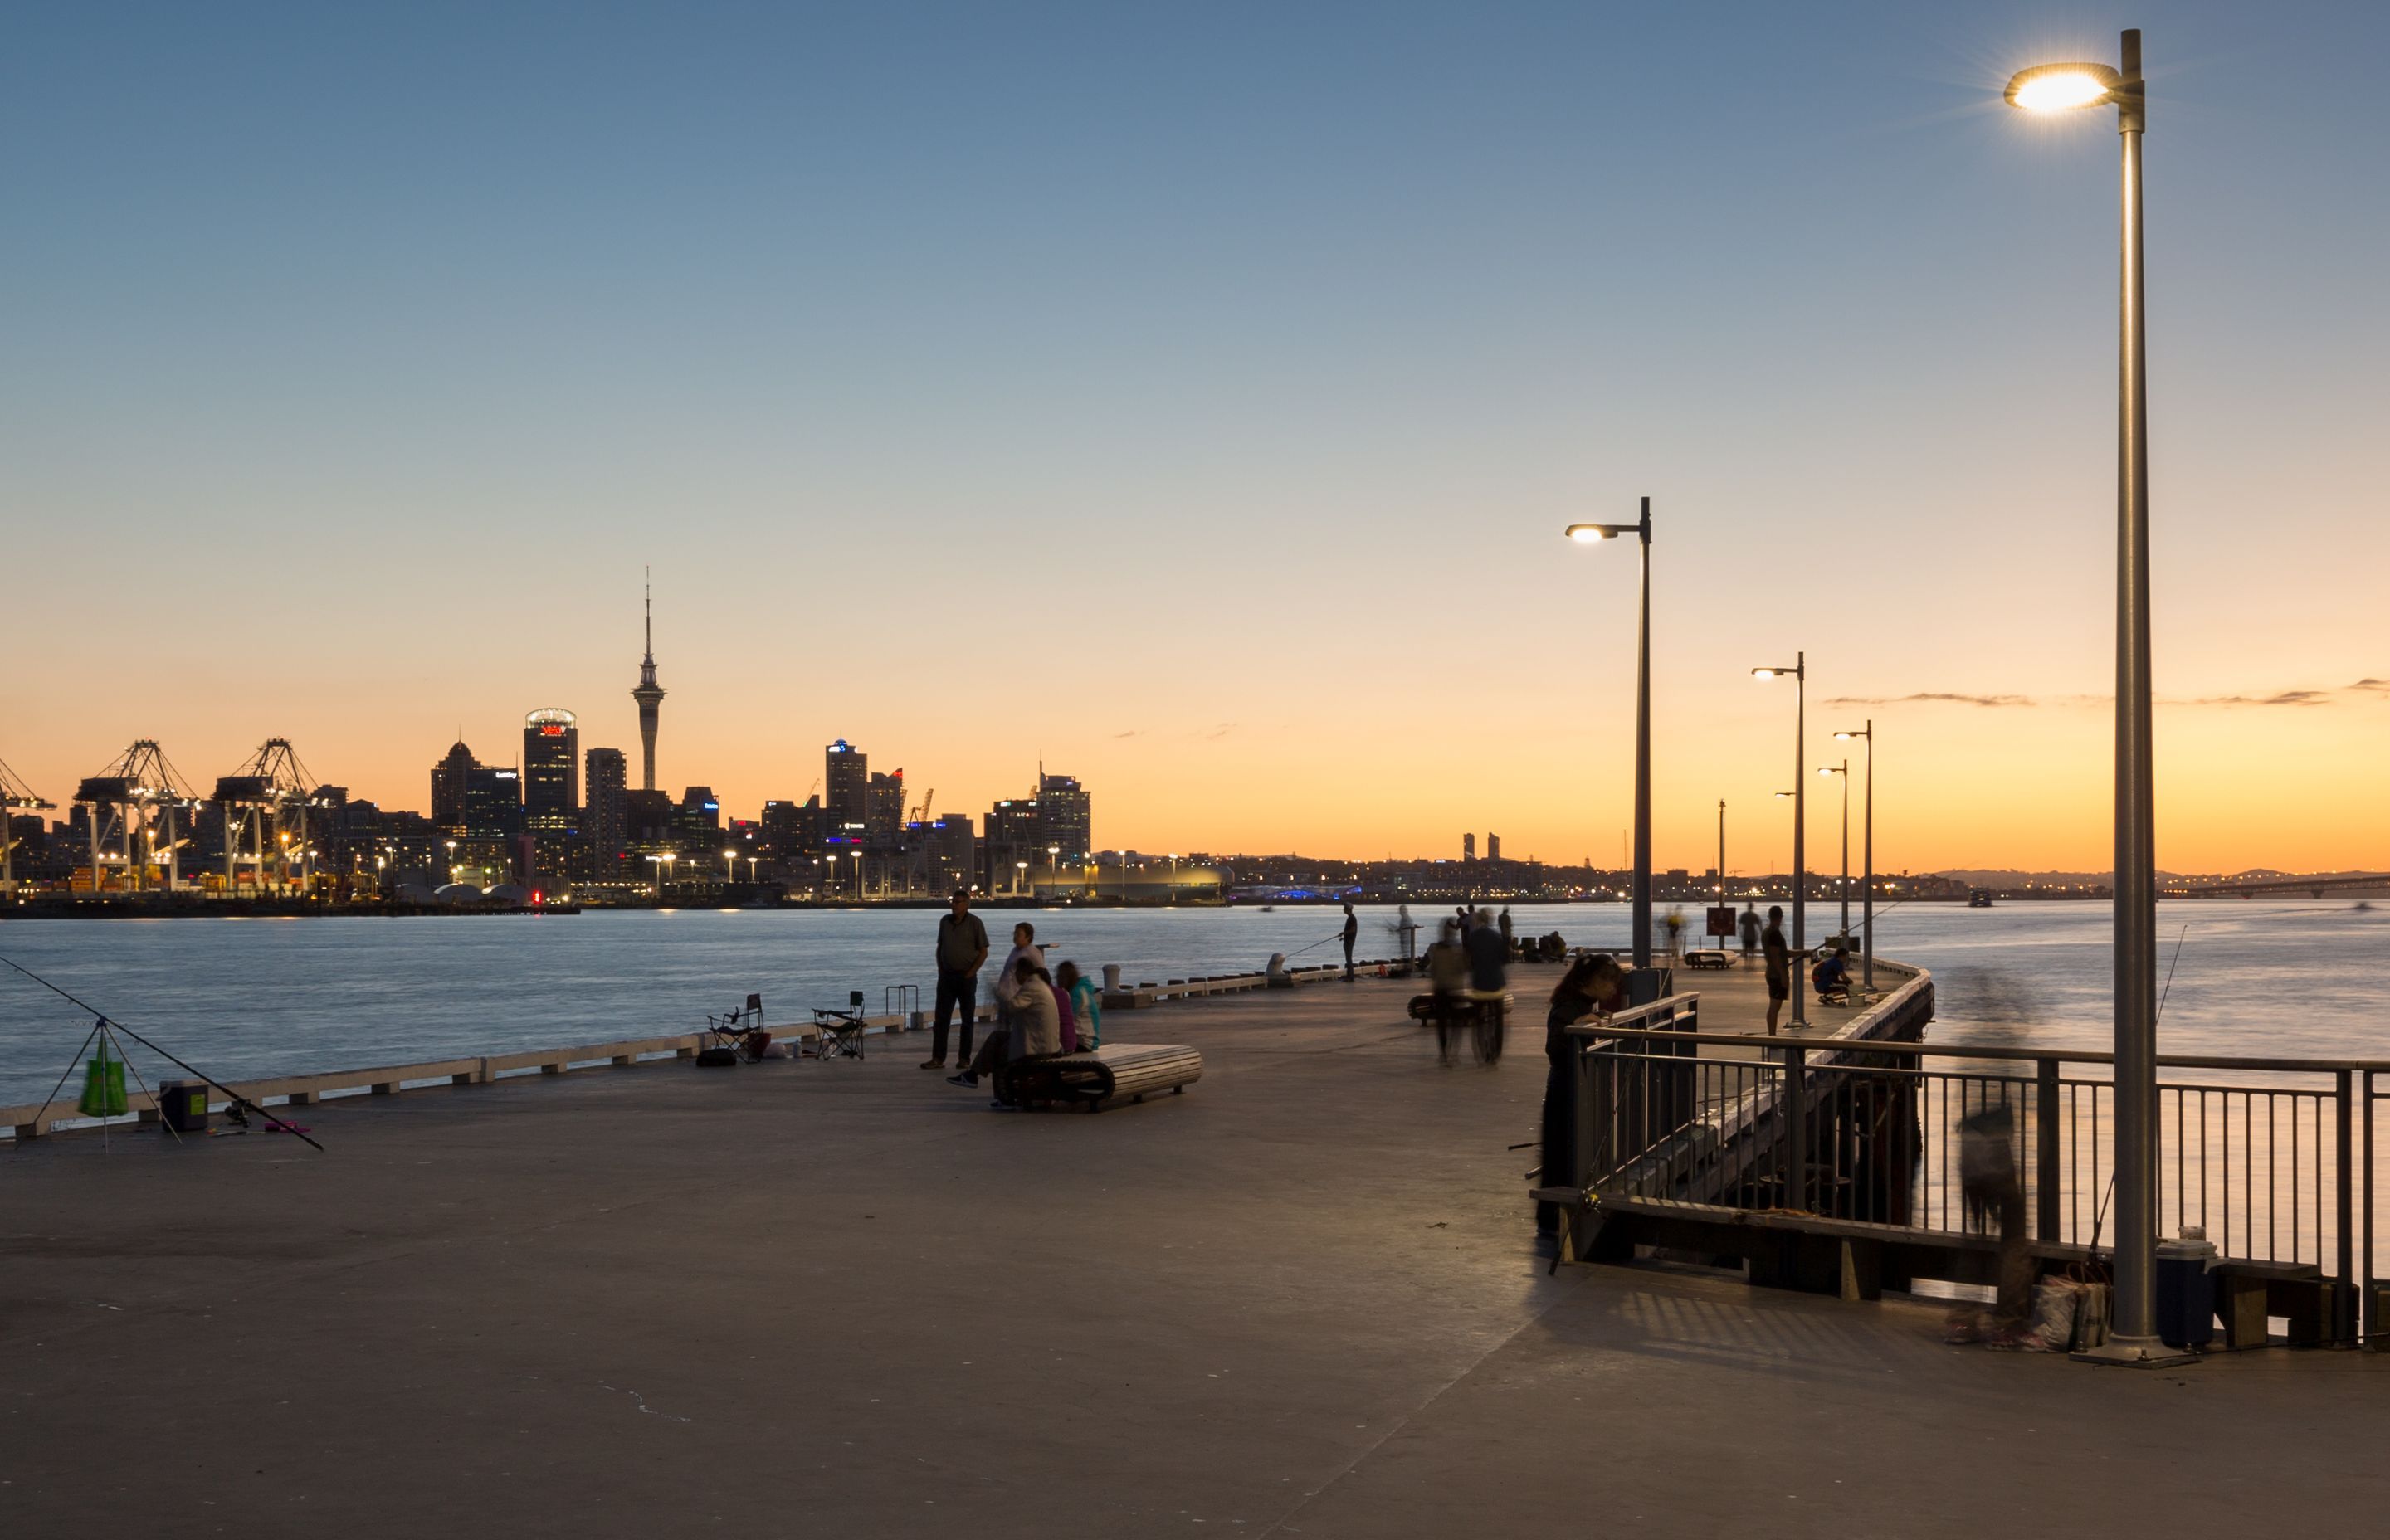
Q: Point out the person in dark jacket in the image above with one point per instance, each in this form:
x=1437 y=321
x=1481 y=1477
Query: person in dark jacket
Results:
x=1351 y=933
x=1489 y=957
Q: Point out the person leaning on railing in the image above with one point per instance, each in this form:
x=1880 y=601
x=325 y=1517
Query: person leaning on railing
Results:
x=1593 y=986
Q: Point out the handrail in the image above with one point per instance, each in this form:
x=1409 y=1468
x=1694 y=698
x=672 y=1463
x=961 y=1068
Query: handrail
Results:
x=2029 y=1055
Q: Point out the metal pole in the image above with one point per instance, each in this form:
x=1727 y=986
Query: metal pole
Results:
x=1867 y=891
x=1846 y=774
x=1800 y=843
x=1642 y=917
x=2136 y=900
x=1721 y=870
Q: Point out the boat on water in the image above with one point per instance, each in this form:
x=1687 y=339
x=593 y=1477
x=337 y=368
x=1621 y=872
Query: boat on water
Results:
x=1979 y=898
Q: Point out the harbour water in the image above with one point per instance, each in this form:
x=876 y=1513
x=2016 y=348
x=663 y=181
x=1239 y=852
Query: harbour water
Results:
x=246 y=997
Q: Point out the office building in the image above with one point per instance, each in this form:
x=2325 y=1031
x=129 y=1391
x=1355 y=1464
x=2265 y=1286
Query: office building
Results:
x=698 y=821
x=1493 y=847
x=1015 y=845
x=846 y=783
x=1067 y=820
x=473 y=801
x=884 y=811
x=949 y=850
x=551 y=772
x=791 y=833
x=1469 y=847
x=605 y=817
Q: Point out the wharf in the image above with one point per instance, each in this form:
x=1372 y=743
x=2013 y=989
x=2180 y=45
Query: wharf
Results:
x=845 y=1298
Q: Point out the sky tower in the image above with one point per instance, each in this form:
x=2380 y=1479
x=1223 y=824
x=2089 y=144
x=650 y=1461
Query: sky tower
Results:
x=649 y=695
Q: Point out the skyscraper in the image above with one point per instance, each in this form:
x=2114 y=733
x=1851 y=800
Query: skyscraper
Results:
x=1064 y=809
x=1469 y=847
x=551 y=772
x=649 y=695
x=606 y=819
x=883 y=817
x=846 y=784
x=1493 y=847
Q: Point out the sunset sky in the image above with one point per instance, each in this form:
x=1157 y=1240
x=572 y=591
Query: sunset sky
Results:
x=1193 y=397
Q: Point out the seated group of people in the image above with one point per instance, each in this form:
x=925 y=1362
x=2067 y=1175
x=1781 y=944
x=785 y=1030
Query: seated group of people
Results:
x=1038 y=1013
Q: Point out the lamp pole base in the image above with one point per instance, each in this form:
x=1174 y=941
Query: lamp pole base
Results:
x=2134 y=1352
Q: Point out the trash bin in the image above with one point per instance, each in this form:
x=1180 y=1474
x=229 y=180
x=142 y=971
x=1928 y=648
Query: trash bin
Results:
x=2186 y=1289
x=1112 y=978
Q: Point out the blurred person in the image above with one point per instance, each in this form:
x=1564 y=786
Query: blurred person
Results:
x=1033 y=1024
x=1749 y=926
x=1087 y=1004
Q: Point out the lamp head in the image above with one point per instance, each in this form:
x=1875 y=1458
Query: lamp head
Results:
x=1588 y=532
x=2061 y=87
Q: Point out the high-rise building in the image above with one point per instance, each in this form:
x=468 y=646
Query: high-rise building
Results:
x=648 y=825
x=950 y=852
x=605 y=819
x=884 y=811
x=1063 y=808
x=846 y=783
x=793 y=831
x=651 y=696
x=1015 y=846
x=448 y=779
x=697 y=820
x=1493 y=847
x=1469 y=847
x=551 y=772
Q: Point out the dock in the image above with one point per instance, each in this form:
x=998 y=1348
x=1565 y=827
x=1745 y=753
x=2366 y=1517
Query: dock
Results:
x=846 y=1297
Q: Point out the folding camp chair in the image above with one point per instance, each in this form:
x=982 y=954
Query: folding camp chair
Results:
x=842 y=1030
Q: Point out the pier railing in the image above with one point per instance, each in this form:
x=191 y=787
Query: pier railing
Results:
x=2274 y=1159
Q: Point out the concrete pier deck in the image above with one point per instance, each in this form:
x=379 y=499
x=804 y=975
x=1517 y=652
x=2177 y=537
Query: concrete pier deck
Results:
x=845 y=1299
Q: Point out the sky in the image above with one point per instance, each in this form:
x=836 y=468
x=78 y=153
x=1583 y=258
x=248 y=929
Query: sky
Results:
x=1191 y=397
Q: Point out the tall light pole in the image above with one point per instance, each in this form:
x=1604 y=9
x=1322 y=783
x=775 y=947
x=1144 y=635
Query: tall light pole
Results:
x=2133 y=1338
x=1799 y=675
x=1866 y=883
x=1641 y=529
x=1843 y=770
x=1721 y=870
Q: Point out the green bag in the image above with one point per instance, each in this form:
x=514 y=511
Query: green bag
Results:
x=103 y=1086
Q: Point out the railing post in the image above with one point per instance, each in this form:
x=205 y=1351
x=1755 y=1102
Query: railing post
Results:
x=1796 y=1127
x=2045 y=1156
x=2343 y=1293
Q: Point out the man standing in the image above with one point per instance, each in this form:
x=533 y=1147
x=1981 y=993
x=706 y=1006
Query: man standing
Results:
x=1779 y=959
x=1749 y=926
x=962 y=950
x=1352 y=934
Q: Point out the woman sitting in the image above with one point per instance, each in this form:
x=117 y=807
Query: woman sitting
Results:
x=1086 y=1006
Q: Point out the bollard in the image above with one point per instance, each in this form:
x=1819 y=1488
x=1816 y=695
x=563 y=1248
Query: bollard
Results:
x=1111 y=977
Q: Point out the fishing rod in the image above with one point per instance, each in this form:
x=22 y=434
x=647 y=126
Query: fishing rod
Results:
x=239 y=1104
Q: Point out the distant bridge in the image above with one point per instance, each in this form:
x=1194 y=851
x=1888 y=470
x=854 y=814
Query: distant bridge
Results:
x=2311 y=887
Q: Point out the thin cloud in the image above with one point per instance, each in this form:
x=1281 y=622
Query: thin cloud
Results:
x=1930 y=695
x=2379 y=687
x=1223 y=730
x=1133 y=732
x=2284 y=697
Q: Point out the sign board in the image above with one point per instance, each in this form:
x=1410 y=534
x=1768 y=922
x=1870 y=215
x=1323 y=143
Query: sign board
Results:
x=1722 y=919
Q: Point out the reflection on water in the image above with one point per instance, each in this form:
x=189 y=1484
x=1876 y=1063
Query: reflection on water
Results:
x=245 y=997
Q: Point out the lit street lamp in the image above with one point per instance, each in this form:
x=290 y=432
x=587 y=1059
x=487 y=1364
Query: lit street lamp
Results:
x=1641 y=529
x=1799 y=673
x=731 y=866
x=1843 y=770
x=1866 y=883
x=1020 y=878
x=2057 y=88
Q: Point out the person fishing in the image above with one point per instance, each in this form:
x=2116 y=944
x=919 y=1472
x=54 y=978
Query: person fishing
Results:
x=1352 y=934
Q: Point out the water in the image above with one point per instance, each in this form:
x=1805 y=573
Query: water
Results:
x=250 y=998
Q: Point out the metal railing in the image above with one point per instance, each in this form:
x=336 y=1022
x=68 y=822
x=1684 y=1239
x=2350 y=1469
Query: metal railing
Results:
x=2275 y=1159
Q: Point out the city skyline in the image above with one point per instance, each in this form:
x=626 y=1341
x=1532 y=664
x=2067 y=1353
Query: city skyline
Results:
x=1060 y=409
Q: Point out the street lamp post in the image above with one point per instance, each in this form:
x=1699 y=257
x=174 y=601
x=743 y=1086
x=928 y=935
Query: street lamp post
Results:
x=1054 y=864
x=1800 y=794
x=2061 y=87
x=1843 y=770
x=1641 y=529
x=730 y=865
x=1867 y=882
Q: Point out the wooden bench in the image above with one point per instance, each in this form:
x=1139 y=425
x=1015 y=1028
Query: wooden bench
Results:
x=1707 y=958
x=1117 y=1072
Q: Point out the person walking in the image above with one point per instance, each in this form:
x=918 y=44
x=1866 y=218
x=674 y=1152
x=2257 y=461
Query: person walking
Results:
x=1352 y=934
x=962 y=951
x=1777 y=956
x=1749 y=926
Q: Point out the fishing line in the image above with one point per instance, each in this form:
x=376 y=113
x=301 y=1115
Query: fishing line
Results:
x=239 y=1104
